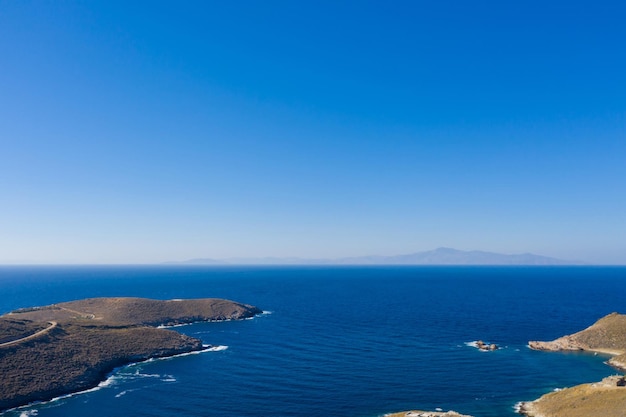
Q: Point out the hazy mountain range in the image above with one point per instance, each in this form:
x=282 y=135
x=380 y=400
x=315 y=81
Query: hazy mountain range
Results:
x=439 y=256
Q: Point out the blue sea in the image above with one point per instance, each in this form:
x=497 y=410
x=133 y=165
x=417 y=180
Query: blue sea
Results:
x=341 y=341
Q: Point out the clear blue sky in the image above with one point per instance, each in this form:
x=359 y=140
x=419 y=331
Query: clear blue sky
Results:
x=135 y=132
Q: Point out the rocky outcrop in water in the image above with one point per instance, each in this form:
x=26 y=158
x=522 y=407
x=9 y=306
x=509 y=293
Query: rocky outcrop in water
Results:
x=486 y=346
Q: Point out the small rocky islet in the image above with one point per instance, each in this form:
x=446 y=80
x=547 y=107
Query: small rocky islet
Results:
x=49 y=351
x=484 y=346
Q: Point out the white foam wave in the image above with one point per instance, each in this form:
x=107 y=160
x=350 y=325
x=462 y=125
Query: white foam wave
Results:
x=472 y=344
x=170 y=326
x=138 y=374
x=104 y=384
x=207 y=348
x=109 y=381
x=217 y=348
x=116 y=375
x=28 y=413
x=121 y=394
x=263 y=313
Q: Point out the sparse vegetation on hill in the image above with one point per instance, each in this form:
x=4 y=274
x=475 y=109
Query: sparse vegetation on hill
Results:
x=601 y=399
x=12 y=329
x=607 y=335
x=76 y=344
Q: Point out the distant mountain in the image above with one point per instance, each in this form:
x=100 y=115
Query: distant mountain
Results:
x=449 y=256
x=439 y=256
x=198 y=261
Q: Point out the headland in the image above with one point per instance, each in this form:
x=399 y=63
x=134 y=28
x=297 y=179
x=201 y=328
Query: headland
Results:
x=49 y=351
x=601 y=399
x=607 y=335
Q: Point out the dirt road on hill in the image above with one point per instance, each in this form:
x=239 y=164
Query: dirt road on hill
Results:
x=53 y=324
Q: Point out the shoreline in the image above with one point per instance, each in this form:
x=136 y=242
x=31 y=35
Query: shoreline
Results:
x=92 y=338
x=604 y=398
x=100 y=376
x=110 y=376
x=79 y=322
x=422 y=413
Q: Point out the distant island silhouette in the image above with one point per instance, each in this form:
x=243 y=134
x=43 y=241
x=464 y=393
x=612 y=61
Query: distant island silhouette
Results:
x=439 y=256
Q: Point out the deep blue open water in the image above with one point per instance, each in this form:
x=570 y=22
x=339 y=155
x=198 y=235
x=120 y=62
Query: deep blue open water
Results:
x=342 y=341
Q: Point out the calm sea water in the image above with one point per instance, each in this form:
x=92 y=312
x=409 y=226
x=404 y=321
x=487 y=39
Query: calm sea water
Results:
x=342 y=341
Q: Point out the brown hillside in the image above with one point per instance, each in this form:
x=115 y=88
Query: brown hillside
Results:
x=141 y=311
x=54 y=350
x=607 y=335
x=601 y=399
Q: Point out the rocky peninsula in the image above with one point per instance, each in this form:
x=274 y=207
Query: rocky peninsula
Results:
x=46 y=352
x=602 y=399
x=607 y=335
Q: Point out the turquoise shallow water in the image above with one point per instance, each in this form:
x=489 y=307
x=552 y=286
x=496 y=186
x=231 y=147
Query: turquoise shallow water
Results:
x=342 y=341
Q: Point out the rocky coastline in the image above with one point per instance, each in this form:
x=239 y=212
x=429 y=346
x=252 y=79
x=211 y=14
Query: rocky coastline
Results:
x=56 y=350
x=607 y=335
x=50 y=351
x=419 y=413
x=606 y=398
